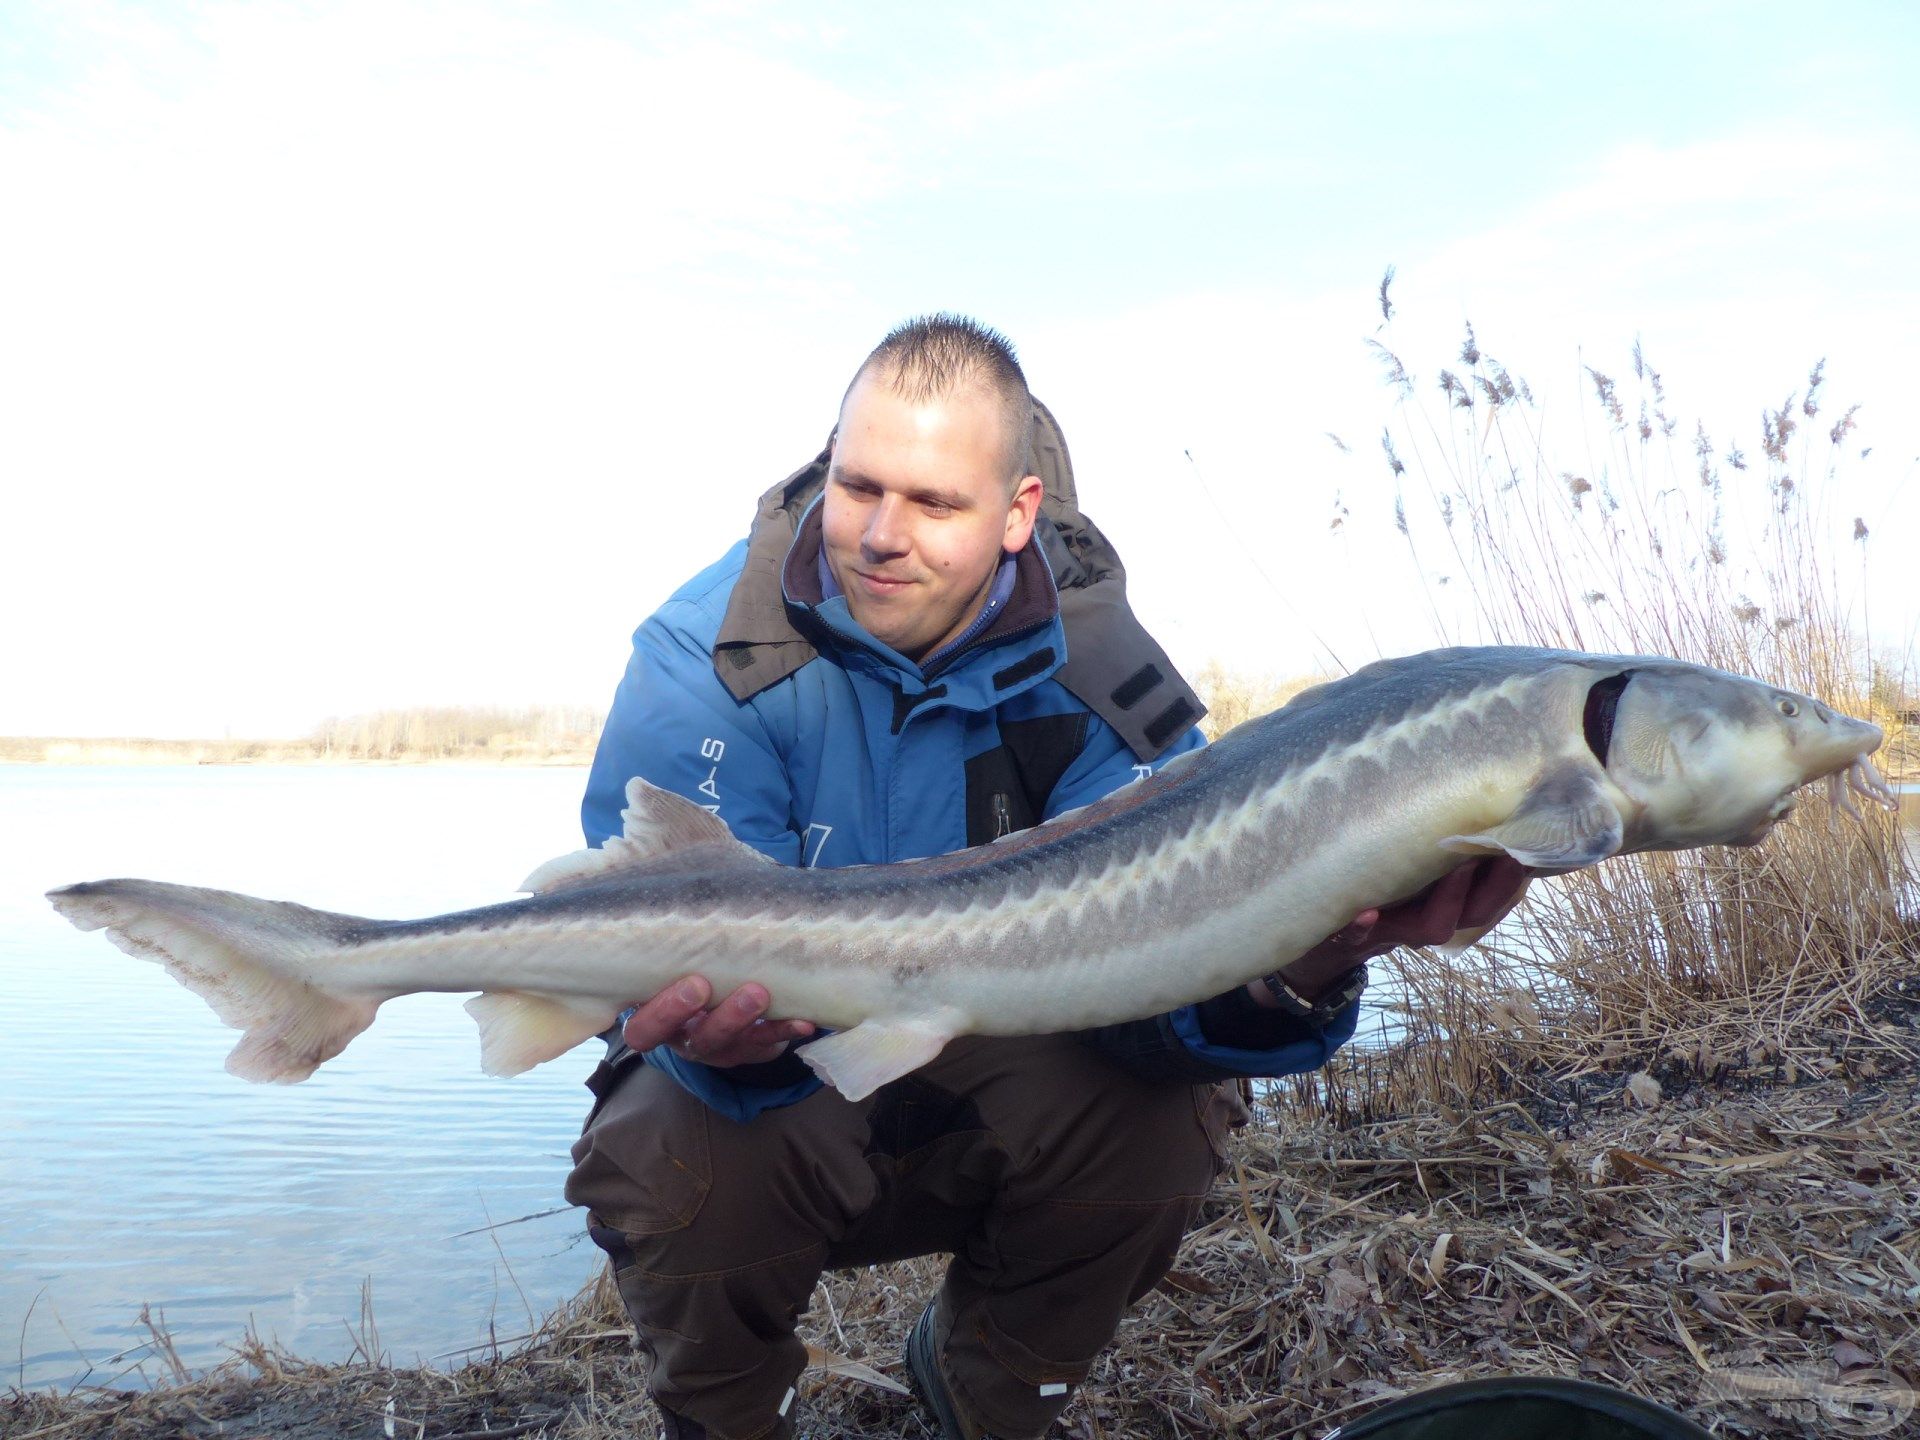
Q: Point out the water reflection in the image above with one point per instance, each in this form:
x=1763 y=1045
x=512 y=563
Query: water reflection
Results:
x=139 y=1171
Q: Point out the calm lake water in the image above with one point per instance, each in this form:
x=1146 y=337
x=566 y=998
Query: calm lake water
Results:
x=138 y=1170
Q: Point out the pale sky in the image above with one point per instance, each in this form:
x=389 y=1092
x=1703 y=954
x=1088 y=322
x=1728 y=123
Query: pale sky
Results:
x=356 y=355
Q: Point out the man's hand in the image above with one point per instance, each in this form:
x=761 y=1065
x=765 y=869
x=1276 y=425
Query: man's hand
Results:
x=1469 y=898
x=732 y=1032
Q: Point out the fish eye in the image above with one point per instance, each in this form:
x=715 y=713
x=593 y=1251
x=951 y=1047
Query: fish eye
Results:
x=1787 y=707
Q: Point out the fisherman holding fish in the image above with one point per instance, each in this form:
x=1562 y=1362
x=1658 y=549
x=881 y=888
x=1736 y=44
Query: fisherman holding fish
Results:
x=922 y=645
x=905 y=755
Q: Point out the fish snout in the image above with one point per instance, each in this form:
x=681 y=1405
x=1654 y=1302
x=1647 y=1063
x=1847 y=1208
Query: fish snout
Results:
x=1864 y=736
x=1836 y=742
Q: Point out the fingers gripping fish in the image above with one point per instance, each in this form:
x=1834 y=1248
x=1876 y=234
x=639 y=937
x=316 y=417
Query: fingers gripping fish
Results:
x=1231 y=861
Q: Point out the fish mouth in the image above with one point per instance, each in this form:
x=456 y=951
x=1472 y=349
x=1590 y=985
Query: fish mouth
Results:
x=1780 y=810
x=1765 y=825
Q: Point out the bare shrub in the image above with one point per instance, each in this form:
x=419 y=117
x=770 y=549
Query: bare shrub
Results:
x=1232 y=697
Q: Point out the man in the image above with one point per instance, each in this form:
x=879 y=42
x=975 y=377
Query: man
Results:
x=922 y=645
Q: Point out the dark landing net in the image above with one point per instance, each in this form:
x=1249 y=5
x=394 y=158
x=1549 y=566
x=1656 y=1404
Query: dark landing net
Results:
x=1522 y=1408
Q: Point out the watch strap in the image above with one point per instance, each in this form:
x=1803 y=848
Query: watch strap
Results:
x=1317 y=1012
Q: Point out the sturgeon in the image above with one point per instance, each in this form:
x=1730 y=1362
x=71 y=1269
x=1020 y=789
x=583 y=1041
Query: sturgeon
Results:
x=1228 y=863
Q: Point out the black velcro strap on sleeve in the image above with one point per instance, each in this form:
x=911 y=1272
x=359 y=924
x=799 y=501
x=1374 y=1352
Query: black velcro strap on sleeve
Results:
x=1135 y=687
x=1109 y=652
x=1171 y=721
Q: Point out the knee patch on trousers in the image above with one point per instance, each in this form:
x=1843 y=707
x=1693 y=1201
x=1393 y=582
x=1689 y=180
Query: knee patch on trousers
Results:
x=634 y=1173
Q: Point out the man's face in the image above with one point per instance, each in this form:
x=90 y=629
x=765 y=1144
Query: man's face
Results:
x=917 y=512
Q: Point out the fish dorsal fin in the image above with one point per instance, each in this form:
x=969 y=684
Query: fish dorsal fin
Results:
x=658 y=826
x=1564 y=822
x=657 y=822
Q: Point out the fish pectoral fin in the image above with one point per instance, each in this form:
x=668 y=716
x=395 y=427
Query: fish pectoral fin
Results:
x=859 y=1061
x=519 y=1030
x=663 y=831
x=1564 y=822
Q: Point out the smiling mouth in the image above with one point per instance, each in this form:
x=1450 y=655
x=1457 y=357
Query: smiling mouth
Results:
x=882 y=583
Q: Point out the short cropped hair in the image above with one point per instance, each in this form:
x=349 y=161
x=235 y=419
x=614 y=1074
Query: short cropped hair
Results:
x=933 y=356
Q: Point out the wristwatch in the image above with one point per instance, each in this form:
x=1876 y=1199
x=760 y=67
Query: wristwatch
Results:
x=1317 y=1012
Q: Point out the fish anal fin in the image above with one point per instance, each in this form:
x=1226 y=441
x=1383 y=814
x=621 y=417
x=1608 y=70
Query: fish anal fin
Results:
x=1564 y=822
x=659 y=825
x=859 y=1061
x=519 y=1030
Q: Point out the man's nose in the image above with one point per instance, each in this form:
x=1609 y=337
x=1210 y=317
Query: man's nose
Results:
x=886 y=532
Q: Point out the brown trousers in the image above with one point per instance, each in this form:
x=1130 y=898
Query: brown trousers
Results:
x=1060 y=1185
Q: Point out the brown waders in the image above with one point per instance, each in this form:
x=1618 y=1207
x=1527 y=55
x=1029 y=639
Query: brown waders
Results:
x=1060 y=1184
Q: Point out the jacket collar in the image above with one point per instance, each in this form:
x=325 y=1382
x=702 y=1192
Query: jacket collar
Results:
x=1116 y=667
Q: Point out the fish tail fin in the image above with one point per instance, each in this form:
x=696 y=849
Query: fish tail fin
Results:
x=244 y=957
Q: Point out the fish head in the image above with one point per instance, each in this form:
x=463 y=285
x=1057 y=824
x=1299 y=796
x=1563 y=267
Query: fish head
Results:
x=1710 y=758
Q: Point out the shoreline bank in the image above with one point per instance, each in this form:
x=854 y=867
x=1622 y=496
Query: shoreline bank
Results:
x=1713 y=1251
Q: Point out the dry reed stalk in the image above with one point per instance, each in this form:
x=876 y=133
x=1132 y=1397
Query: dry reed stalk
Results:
x=163 y=1344
x=1649 y=540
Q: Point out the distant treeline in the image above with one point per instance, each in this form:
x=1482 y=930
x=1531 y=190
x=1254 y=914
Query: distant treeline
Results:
x=446 y=732
x=549 y=734
x=142 y=750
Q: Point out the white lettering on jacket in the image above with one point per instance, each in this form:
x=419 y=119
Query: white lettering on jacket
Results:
x=712 y=749
x=810 y=847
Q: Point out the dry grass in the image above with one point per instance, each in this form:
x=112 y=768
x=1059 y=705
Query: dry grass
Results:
x=1747 y=1257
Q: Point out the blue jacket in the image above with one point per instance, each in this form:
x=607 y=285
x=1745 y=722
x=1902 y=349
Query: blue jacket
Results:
x=857 y=755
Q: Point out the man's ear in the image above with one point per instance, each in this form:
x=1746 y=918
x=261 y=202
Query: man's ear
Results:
x=1021 y=513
